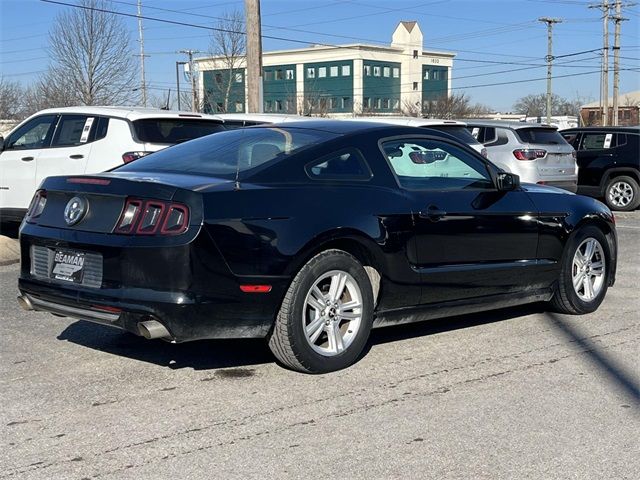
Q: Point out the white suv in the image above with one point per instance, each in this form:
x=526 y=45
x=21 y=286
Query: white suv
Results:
x=76 y=140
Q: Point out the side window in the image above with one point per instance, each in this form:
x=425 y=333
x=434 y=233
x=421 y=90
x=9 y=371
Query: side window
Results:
x=33 y=134
x=597 y=141
x=571 y=138
x=421 y=164
x=101 y=128
x=621 y=139
x=73 y=130
x=347 y=164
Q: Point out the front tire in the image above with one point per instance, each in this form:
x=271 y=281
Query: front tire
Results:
x=622 y=194
x=326 y=316
x=584 y=275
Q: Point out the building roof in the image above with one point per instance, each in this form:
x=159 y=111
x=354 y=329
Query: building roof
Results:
x=623 y=101
x=130 y=113
x=409 y=25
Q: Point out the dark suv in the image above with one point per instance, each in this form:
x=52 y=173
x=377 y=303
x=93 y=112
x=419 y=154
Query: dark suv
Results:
x=608 y=164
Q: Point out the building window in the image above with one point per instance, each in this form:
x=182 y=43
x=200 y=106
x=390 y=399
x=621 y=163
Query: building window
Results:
x=396 y=72
x=346 y=70
x=323 y=103
x=333 y=71
x=267 y=106
x=367 y=102
x=386 y=103
x=218 y=78
x=415 y=86
x=332 y=103
x=346 y=103
x=219 y=106
x=386 y=72
x=426 y=74
x=415 y=54
x=311 y=72
x=367 y=70
x=322 y=72
x=278 y=74
x=238 y=78
x=239 y=107
x=376 y=71
x=378 y=103
x=396 y=104
x=289 y=74
x=289 y=104
x=278 y=105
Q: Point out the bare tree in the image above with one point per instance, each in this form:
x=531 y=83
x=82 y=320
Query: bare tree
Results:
x=11 y=100
x=410 y=108
x=92 y=61
x=228 y=44
x=535 y=105
x=457 y=105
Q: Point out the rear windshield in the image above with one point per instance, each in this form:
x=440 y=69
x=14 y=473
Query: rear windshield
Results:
x=230 y=152
x=541 y=136
x=174 y=130
x=458 y=131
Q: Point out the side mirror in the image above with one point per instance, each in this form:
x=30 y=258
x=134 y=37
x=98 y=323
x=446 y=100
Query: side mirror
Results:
x=507 y=181
x=1 y=143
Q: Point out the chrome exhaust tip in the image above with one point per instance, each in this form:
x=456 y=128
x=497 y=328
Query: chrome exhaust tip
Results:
x=151 y=329
x=25 y=303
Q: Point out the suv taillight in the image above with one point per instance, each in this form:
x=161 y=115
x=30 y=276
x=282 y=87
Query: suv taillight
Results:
x=528 y=154
x=151 y=217
x=131 y=156
x=36 y=207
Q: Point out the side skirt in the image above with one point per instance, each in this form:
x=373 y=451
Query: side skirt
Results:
x=458 y=307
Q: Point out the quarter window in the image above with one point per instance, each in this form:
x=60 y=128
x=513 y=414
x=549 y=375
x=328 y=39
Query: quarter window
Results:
x=421 y=164
x=34 y=134
x=347 y=164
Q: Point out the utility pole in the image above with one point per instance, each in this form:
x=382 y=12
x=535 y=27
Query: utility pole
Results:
x=178 y=81
x=604 y=6
x=549 y=58
x=143 y=83
x=194 y=93
x=254 y=56
x=618 y=19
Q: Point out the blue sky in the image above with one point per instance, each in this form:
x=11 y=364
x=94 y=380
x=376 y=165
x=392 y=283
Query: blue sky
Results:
x=480 y=32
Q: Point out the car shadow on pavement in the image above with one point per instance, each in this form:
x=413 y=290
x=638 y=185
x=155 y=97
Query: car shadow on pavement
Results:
x=213 y=354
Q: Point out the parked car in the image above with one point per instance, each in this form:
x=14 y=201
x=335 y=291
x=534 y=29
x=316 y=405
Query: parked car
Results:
x=536 y=153
x=452 y=127
x=609 y=164
x=308 y=234
x=76 y=140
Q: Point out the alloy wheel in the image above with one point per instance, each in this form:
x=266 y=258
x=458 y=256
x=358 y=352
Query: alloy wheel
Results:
x=332 y=313
x=620 y=194
x=588 y=269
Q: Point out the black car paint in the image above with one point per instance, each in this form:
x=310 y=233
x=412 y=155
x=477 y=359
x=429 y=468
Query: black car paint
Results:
x=487 y=249
x=597 y=167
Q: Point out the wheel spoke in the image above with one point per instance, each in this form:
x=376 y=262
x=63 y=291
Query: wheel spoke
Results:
x=335 y=338
x=597 y=268
x=351 y=305
x=318 y=296
x=338 y=337
x=588 y=288
x=314 y=329
x=349 y=315
x=588 y=251
x=338 y=281
x=577 y=281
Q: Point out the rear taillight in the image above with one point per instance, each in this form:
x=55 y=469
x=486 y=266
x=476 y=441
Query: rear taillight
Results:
x=37 y=205
x=529 y=154
x=151 y=217
x=131 y=156
x=484 y=153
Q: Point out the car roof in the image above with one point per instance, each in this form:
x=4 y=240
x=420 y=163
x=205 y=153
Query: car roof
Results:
x=408 y=121
x=332 y=126
x=130 y=113
x=603 y=129
x=265 y=117
x=479 y=122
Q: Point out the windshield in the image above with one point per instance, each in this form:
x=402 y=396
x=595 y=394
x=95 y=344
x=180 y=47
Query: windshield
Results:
x=458 y=131
x=541 y=136
x=228 y=152
x=174 y=130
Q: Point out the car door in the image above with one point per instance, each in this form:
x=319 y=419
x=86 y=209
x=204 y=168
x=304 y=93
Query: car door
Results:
x=594 y=156
x=70 y=147
x=471 y=239
x=18 y=161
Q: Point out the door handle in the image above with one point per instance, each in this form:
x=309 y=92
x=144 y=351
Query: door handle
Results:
x=433 y=213
x=26 y=159
x=76 y=157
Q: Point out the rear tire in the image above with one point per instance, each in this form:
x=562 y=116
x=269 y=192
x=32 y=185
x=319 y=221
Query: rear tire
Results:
x=622 y=194
x=584 y=275
x=326 y=316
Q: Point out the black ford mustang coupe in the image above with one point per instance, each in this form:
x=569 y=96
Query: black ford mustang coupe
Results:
x=308 y=234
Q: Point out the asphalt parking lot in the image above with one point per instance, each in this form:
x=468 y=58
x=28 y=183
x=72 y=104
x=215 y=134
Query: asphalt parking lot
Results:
x=517 y=393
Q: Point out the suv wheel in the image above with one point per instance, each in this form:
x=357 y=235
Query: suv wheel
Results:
x=622 y=193
x=326 y=315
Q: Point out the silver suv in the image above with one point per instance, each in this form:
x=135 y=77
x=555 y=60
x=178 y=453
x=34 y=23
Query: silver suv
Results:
x=537 y=153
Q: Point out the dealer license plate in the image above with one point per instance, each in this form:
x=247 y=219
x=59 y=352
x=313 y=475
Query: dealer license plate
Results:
x=68 y=266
